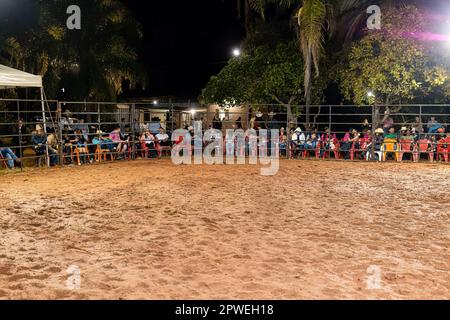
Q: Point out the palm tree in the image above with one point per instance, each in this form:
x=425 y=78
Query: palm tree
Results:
x=315 y=20
x=92 y=61
x=99 y=54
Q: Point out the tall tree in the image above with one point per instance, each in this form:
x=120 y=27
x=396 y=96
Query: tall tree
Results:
x=315 y=21
x=90 y=63
x=395 y=65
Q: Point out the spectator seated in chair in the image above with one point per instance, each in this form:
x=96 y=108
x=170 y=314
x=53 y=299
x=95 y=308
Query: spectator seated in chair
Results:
x=81 y=147
x=52 y=142
x=115 y=137
x=68 y=141
x=298 y=141
x=433 y=125
x=443 y=148
x=407 y=143
x=8 y=156
x=329 y=141
x=163 y=141
x=376 y=143
x=350 y=141
x=127 y=141
x=391 y=134
x=283 y=140
x=390 y=145
x=162 y=138
x=148 y=142
x=39 y=139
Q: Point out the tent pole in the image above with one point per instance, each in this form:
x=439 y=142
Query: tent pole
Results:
x=44 y=120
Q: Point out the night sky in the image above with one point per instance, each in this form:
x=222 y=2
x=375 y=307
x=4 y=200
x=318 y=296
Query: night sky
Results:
x=185 y=42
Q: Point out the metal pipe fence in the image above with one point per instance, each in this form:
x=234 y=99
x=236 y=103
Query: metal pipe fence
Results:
x=87 y=132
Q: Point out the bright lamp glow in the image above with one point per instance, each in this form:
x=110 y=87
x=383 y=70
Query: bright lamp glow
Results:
x=155 y=102
x=370 y=94
x=193 y=112
x=236 y=52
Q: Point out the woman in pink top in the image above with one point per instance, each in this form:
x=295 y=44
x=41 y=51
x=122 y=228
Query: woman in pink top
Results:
x=117 y=140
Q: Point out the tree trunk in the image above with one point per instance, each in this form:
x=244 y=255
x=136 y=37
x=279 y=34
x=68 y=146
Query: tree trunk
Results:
x=307 y=80
x=317 y=116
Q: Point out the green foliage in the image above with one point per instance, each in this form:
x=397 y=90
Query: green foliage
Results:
x=266 y=76
x=392 y=63
x=90 y=62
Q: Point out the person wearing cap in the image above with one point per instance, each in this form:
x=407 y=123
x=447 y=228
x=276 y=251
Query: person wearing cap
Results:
x=377 y=140
x=406 y=134
x=298 y=140
x=403 y=130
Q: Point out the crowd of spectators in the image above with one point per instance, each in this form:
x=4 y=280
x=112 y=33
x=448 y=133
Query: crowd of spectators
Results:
x=85 y=144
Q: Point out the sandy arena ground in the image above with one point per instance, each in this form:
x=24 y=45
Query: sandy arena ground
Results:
x=150 y=230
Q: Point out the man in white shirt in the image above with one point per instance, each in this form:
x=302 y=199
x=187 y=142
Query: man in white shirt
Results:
x=162 y=137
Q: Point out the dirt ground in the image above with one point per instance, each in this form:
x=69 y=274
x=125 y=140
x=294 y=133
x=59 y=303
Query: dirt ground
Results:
x=151 y=230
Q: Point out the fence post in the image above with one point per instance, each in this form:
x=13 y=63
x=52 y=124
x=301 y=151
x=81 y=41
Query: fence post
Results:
x=60 y=138
x=172 y=116
x=99 y=120
x=329 y=119
x=374 y=127
x=20 y=136
x=420 y=114
x=133 y=131
x=288 y=135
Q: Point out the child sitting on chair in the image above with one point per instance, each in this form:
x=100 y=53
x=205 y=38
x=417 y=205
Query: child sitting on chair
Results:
x=391 y=134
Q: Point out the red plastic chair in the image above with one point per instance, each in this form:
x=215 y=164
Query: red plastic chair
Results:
x=101 y=154
x=362 y=148
x=329 y=151
x=144 y=149
x=307 y=152
x=407 y=146
x=424 y=147
x=443 y=149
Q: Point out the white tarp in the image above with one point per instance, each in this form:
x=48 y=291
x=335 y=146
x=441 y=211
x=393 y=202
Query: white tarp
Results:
x=12 y=78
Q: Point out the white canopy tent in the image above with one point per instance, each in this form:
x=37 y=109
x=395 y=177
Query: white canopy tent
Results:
x=13 y=78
